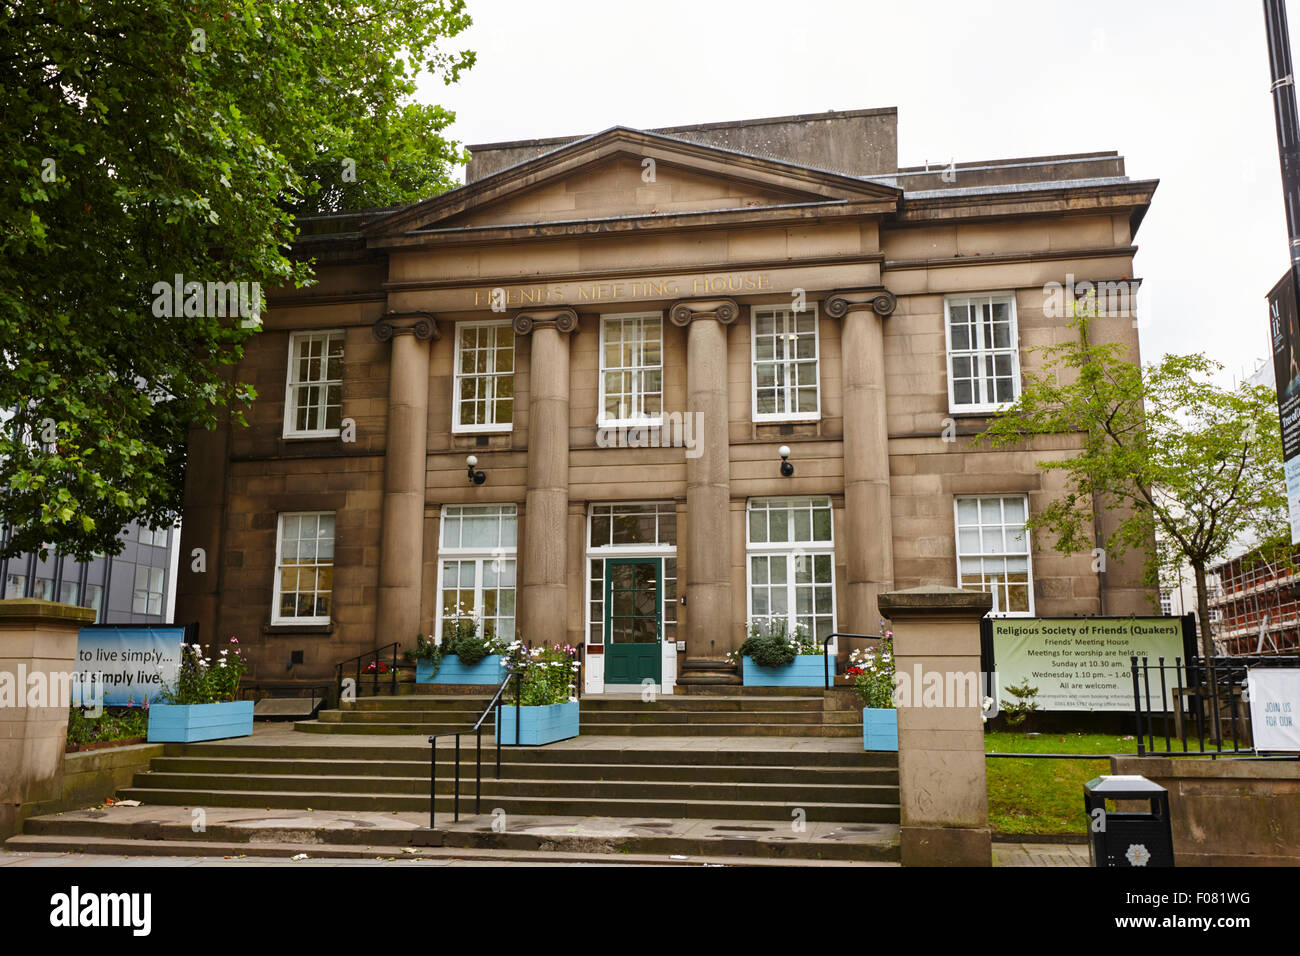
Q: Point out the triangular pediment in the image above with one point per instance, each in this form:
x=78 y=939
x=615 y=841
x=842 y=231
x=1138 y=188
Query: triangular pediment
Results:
x=629 y=174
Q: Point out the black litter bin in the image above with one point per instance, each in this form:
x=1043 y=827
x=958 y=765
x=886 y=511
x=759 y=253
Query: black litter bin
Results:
x=1127 y=837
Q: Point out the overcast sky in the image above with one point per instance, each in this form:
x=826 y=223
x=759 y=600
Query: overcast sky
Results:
x=1179 y=88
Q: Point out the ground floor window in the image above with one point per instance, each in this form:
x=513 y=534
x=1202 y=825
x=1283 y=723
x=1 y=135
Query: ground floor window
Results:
x=791 y=564
x=304 y=568
x=993 y=550
x=476 y=569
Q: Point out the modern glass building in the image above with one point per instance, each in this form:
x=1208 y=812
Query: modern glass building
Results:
x=136 y=586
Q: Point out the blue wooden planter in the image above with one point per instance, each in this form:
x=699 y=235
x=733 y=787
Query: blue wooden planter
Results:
x=185 y=723
x=539 y=725
x=806 y=670
x=879 y=728
x=490 y=670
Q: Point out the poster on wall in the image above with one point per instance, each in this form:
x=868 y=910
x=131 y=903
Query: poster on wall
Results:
x=1274 y=707
x=1080 y=663
x=135 y=661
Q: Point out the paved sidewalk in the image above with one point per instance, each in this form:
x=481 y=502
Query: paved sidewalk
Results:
x=1040 y=854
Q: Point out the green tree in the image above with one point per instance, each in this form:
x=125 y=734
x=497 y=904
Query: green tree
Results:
x=147 y=139
x=1178 y=457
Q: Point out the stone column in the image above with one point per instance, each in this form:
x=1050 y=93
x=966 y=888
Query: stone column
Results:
x=710 y=629
x=869 y=557
x=942 y=789
x=36 y=638
x=401 y=541
x=543 y=582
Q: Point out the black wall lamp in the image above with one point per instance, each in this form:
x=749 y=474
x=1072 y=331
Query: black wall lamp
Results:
x=478 y=477
x=787 y=469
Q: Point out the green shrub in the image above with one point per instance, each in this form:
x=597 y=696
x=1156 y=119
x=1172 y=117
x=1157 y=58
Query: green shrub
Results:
x=769 y=645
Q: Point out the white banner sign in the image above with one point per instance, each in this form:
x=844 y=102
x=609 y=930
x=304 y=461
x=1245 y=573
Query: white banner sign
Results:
x=129 y=658
x=1085 y=664
x=1274 y=707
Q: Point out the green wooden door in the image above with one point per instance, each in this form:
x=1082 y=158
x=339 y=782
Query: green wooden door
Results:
x=633 y=620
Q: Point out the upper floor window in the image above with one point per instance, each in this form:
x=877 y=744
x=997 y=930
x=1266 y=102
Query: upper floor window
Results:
x=983 y=353
x=313 y=405
x=304 y=568
x=485 y=378
x=157 y=538
x=631 y=369
x=785 y=364
x=993 y=551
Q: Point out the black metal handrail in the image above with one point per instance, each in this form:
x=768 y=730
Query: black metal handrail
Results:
x=477 y=730
x=826 y=650
x=373 y=657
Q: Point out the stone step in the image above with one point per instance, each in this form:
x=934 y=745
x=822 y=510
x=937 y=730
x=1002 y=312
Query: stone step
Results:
x=698 y=717
x=606 y=716
x=517 y=770
x=170 y=831
x=693 y=729
x=671 y=702
x=517 y=804
x=791 y=792
x=706 y=678
x=109 y=846
x=776 y=755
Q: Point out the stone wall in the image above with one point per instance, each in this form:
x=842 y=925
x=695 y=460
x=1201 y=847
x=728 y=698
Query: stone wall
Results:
x=1227 y=812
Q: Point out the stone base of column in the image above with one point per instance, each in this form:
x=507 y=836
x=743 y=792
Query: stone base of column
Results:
x=946 y=846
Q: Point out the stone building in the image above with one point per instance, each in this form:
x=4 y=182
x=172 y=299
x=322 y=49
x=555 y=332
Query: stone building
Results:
x=624 y=330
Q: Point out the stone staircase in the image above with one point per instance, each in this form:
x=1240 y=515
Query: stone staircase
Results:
x=614 y=782
x=736 y=776
x=745 y=800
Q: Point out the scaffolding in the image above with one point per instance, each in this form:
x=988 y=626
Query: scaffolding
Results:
x=1258 y=606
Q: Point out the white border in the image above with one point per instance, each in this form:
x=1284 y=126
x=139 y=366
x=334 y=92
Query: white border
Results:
x=968 y=297
x=289 y=408
x=789 y=548
x=1029 y=550
x=275 y=589
x=753 y=366
x=477 y=555
x=456 y=427
x=602 y=422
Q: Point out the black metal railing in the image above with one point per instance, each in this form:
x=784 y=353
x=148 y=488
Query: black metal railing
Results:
x=372 y=669
x=826 y=650
x=492 y=705
x=1200 y=700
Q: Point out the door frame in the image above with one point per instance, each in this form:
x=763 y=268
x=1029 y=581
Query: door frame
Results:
x=658 y=564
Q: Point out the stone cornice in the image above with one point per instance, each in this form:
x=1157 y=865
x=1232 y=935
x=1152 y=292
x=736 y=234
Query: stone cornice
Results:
x=685 y=311
x=562 y=320
x=422 y=325
x=878 y=300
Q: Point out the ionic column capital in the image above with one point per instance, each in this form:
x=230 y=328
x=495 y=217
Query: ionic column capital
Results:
x=562 y=320
x=422 y=325
x=725 y=311
x=879 y=300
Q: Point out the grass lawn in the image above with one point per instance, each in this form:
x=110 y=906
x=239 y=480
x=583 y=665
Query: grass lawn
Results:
x=1043 y=795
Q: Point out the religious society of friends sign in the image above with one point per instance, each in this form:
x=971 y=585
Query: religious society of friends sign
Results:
x=1081 y=663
